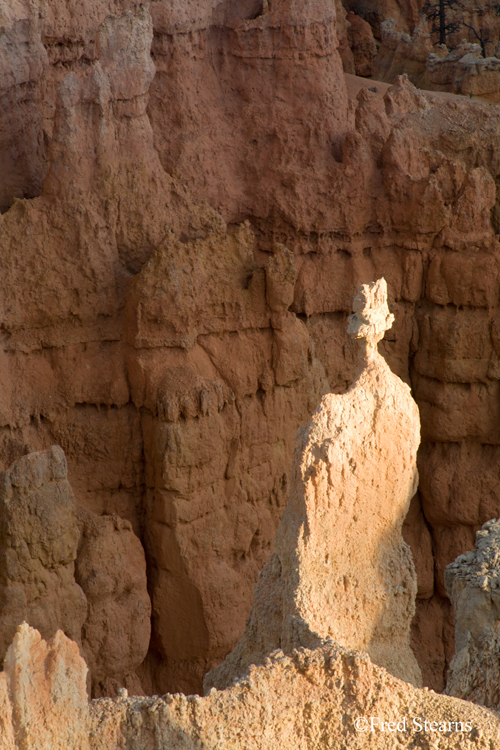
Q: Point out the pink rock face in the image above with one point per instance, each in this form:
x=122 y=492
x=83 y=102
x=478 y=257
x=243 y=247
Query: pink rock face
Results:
x=362 y=44
x=133 y=370
x=344 y=49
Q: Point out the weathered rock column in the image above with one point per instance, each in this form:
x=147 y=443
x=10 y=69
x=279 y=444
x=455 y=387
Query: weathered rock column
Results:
x=38 y=546
x=473 y=585
x=341 y=569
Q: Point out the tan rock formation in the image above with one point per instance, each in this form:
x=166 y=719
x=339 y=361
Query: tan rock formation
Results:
x=39 y=539
x=402 y=53
x=250 y=113
x=330 y=698
x=47 y=695
x=111 y=570
x=472 y=583
x=306 y=701
x=341 y=569
x=464 y=71
x=344 y=48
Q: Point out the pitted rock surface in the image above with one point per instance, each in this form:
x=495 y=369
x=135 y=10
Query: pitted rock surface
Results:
x=38 y=545
x=340 y=568
x=308 y=700
x=473 y=585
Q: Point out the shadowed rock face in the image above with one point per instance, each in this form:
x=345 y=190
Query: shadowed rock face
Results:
x=473 y=585
x=100 y=601
x=111 y=569
x=39 y=540
x=341 y=569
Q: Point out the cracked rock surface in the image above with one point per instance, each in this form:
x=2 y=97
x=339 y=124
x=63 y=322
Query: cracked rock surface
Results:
x=473 y=583
x=340 y=568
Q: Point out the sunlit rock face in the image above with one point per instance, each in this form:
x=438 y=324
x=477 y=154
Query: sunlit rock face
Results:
x=326 y=697
x=176 y=389
x=341 y=569
x=43 y=687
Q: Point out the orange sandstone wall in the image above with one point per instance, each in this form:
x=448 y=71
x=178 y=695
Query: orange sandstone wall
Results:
x=146 y=331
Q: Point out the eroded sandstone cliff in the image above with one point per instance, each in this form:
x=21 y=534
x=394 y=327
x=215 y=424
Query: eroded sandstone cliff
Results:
x=142 y=330
x=292 y=681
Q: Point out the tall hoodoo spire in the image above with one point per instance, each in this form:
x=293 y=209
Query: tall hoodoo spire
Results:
x=341 y=569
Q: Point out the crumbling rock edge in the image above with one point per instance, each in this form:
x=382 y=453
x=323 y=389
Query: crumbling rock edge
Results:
x=311 y=699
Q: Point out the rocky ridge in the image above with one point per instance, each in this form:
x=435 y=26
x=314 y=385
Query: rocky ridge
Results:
x=305 y=701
